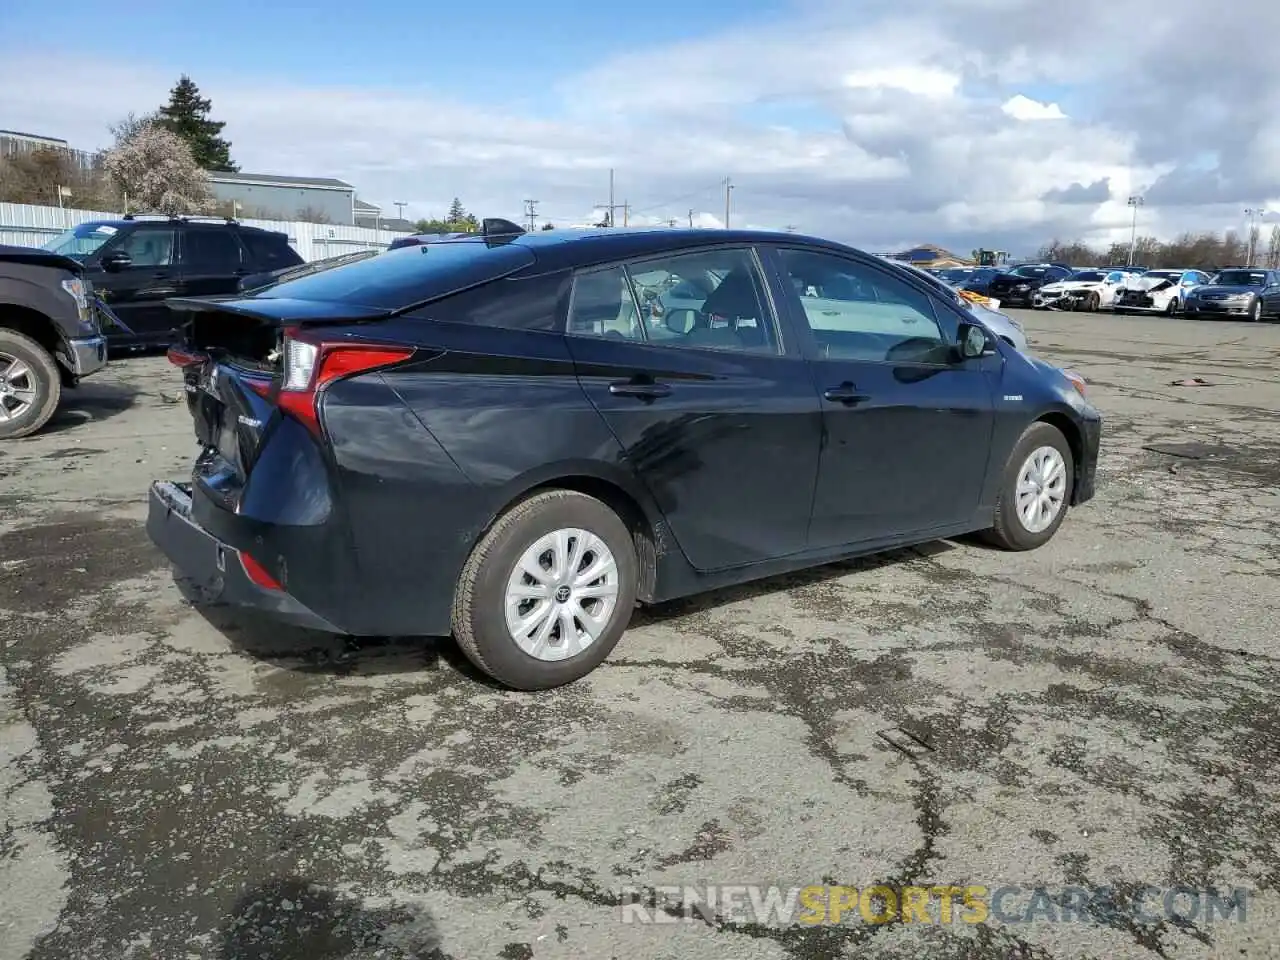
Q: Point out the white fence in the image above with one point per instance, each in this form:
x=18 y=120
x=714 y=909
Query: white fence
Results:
x=31 y=226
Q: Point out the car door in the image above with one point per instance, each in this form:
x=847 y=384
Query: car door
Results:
x=133 y=274
x=908 y=424
x=1271 y=294
x=684 y=358
x=212 y=260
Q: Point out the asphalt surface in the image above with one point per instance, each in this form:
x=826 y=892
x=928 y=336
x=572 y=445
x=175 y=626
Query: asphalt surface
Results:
x=189 y=783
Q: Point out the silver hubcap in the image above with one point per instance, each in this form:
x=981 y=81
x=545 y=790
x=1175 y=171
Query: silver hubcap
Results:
x=562 y=594
x=1042 y=489
x=17 y=387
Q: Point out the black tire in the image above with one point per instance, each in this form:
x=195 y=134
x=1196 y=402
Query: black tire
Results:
x=1008 y=531
x=479 y=620
x=1092 y=301
x=46 y=381
x=1255 y=312
x=1172 y=309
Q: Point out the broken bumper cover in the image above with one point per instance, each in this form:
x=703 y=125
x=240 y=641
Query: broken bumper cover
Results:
x=217 y=571
x=1087 y=473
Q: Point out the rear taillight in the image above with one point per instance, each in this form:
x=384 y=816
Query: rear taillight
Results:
x=310 y=367
x=181 y=357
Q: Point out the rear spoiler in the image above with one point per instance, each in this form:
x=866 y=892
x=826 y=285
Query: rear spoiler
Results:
x=280 y=311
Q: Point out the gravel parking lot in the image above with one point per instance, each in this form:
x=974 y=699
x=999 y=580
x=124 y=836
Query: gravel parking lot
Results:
x=180 y=782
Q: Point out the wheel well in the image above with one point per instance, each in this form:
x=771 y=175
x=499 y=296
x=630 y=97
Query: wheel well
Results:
x=31 y=323
x=626 y=507
x=1069 y=430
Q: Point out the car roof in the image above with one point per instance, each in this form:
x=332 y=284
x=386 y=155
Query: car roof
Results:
x=121 y=222
x=563 y=249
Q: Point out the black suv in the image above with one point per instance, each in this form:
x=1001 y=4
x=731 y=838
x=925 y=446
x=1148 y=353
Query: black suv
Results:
x=136 y=263
x=1014 y=287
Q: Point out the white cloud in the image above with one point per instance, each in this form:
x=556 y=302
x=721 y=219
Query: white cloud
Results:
x=880 y=125
x=1024 y=108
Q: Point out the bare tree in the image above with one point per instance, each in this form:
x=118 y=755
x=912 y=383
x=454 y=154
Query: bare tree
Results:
x=133 y=124
x=156 y=173
x=313 y=215
x=1273 y=249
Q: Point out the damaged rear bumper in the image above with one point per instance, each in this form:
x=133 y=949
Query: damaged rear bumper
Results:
x=218 y=572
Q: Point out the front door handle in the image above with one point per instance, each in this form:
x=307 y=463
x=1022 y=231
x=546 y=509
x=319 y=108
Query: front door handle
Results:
x=641 y=389
x=846 y=393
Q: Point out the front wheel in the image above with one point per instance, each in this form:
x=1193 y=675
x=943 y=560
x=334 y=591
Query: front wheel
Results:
x=1039 y=478
x=1255 y=313
x=1172 y=309
x=30 y=385
x=1092 y=302
x=547 y=593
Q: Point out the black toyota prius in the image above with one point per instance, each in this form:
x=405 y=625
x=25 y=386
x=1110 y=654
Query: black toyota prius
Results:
x=517 y=437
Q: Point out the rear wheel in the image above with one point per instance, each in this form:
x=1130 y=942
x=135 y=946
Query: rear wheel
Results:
x=30 y=385
x=547 y=592
x=1036 y=490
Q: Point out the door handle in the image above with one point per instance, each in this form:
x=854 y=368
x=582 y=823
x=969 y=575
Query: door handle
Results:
x=846 y=393
x=640 y=389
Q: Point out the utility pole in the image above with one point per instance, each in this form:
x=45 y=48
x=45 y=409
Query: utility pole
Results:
x=672 y=222
x=531 y=214
x=399 y=205
x=1253 y=213
x=612 y=206
x=690 y=218
x=626 y=212
x=1134 y=201
x=728 y=194
x=790 y=228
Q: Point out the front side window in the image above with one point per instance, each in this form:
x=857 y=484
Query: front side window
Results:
x=857 y=312
x=147 y=247
x=707 y=299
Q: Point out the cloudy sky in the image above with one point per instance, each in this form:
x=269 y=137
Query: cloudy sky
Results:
x=961 y=122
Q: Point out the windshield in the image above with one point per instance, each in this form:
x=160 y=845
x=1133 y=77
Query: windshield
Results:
x=1090 y=275
x=82 y=241
x=1031 y=272
x=1240 y=278
x=1163 y=274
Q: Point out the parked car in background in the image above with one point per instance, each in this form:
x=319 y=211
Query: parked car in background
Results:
x=977 y=279
x=136 y=263
x=1083 y=290
x=1017 y=286
x=1158 y=291
x=50 y=336
x=1002 y=325
x=1247 y=292
x=484 y=436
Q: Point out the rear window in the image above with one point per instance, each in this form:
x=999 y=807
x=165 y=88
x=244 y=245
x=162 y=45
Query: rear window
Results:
x=402 y=278
x=270 y=251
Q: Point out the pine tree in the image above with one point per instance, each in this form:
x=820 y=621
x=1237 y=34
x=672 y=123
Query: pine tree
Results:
x=187 y=116
x=457 y=212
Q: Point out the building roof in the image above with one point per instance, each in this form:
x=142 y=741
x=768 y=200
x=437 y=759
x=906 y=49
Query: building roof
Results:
x=273 y=180
x=365 y=209
x=31 y=136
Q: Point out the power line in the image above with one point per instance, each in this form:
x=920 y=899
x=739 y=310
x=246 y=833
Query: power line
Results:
x=680 y=199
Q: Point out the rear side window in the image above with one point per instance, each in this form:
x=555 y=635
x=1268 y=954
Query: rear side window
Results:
x=270 y=251
x=526 y=304
x=401 y=278
x=211 y=251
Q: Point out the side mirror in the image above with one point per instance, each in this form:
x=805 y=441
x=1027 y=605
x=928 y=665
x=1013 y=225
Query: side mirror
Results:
x=113 y=262
x=974 y=342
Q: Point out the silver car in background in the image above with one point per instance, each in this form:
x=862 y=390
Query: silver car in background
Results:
x=1003 y=326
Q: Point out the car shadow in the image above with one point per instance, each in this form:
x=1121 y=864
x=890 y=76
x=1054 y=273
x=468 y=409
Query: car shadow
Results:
x=311 y=651
x=90 y=402
x=291 y=918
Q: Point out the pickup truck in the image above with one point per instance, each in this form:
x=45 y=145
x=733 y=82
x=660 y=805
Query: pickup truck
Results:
x=50 y=335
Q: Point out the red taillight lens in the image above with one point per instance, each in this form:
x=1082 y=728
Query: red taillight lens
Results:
x=310 y=367
x=257 y=573
x=181 y=357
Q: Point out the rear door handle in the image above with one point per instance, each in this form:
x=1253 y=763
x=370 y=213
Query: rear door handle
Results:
x=846 y=393
x=641 y=389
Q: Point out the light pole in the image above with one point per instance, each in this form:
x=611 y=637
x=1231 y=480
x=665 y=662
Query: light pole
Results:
x=728 y=194
x=1253 y=213
x=1135 y=201
x=399 y=205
